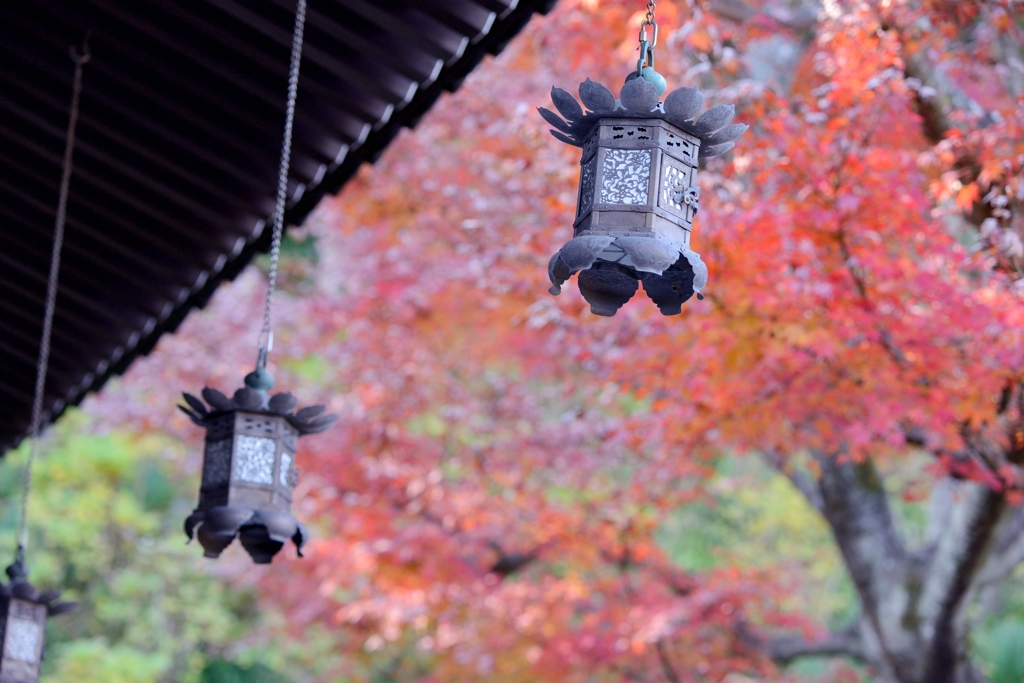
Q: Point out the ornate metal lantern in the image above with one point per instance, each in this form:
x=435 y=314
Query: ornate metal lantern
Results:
x=249 y=468
x=23 y=609
x=249 y=459
x=23 y=613
x=638 y=190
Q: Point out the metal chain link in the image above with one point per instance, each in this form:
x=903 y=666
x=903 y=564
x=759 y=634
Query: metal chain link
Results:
x=51 y=298
x=266 y=339
x=647 y=46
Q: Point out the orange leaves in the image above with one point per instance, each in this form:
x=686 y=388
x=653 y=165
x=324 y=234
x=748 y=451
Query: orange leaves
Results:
x=967 y=195
x=492 y=496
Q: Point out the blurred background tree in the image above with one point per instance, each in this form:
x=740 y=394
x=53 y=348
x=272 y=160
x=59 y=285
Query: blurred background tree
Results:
x=813 y=475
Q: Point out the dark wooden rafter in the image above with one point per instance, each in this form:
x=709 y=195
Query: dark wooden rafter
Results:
x=178 y=144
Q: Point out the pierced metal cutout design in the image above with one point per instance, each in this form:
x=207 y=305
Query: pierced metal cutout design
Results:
x=257 y=425
x=217 y=463
x=254 y=459
x=586 y=186
x=626 y=173
x=672 y=179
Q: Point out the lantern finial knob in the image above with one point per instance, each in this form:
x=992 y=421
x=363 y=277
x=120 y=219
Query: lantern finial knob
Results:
x=19 y=570
x=260 y=380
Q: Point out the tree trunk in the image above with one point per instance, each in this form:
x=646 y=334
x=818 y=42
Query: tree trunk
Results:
x=912 y=628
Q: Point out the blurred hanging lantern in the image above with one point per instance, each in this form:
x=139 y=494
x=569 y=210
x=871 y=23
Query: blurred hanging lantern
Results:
x=23 y=609
x=249 y=468
x=638 y=190
x=249 y=459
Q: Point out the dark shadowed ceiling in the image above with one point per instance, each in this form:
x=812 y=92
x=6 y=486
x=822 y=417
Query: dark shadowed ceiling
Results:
x=182 y=112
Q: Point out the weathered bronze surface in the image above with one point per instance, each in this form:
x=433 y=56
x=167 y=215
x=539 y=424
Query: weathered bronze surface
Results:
x=249 y=470
x=638 y=191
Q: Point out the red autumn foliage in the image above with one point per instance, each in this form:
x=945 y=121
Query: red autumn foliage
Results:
x=504 y=458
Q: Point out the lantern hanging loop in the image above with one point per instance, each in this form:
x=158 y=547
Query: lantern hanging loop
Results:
x=645 y=64
x=260 y=379
x=647 y=45
x=80 y=59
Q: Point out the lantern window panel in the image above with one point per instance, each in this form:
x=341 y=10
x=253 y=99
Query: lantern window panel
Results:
x=254 y=459
x=217 y=464
x=285 y=476
x=676 y=178
x=587 y=183
x=23 y=640
x=625 y=176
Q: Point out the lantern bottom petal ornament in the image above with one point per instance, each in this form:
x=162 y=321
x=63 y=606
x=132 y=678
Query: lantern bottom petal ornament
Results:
x=215 y=528
x=261 y=533
x=611 y=267
x=558 y=272
x=607 y=286
x=265 y=534
x=672 y=288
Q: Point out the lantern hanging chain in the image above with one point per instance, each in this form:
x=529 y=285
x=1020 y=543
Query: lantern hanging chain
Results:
x=51 y=298
x=266 y=339
x=647 y=46
x=649 y=19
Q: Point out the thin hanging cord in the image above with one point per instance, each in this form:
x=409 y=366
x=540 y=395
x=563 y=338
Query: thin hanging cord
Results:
x=51 y=297
x=266 y=340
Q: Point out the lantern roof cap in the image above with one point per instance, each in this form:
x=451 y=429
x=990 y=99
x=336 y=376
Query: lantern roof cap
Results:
x=638 y=99
x=179 y=146
x=308 y=420
x=20 y=588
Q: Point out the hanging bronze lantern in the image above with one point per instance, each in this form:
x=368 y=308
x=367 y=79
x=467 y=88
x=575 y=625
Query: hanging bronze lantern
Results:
x=249 y=468
x=23 y=613
x=249 y=458
x=638 y=190
x=23 y=609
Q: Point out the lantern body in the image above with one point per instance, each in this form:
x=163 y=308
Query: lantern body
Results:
x=248 y=462
x=638 y=178
x=24 y=625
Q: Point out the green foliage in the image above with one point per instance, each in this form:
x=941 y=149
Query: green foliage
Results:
x=1001 y=650
x=756 y=519
x=222 y=671
x=312 y=368
x=105 y=523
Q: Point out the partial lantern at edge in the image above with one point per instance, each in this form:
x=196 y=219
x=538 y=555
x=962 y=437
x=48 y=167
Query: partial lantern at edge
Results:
x=638 y=192
x=23 y=613
x=249 y=469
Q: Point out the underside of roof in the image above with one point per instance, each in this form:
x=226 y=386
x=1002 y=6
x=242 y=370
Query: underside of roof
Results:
x=182 y=112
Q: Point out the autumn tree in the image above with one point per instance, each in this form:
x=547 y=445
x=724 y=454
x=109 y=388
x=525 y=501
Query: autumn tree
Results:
x=496 y=499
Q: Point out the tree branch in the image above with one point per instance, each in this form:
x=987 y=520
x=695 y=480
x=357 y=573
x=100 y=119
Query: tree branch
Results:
x=1007 y=550
x=856 y=507
x=666 y=665
x=801 y=480
x=847 y=643
x=950 y=572
x=937 y=98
